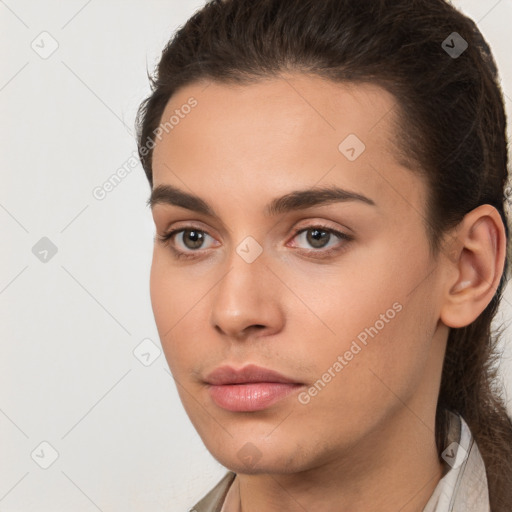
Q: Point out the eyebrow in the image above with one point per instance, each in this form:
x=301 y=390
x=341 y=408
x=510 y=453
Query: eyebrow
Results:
x=295 y=200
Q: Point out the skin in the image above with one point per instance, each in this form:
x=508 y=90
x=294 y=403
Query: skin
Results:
x=366 y=440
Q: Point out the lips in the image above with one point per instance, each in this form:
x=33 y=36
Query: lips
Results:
x=251 y=388
x=247 y=374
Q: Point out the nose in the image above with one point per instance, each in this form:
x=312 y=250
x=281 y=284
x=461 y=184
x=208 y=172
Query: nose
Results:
x=246 y=302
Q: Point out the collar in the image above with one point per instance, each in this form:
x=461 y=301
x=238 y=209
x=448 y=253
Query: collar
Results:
x=464 y=486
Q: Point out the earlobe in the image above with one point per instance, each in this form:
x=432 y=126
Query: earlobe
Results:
x=476 y=270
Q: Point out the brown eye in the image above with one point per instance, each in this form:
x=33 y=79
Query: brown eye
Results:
x=186 y=242
x=318 y=238
x=192 y=238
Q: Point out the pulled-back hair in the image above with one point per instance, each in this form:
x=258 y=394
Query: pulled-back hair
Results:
x=451 y=128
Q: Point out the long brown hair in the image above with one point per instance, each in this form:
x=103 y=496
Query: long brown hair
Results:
x=451 y=124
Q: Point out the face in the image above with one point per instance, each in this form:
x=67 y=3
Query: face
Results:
x=336 y=292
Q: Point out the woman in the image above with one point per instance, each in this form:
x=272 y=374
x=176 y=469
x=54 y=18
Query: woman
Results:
x=327 y=181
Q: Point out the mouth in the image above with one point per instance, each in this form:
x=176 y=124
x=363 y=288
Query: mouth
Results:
x=251 y=388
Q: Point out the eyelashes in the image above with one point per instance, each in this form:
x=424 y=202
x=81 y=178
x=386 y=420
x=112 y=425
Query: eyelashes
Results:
x=198 y=236
x=323 y=252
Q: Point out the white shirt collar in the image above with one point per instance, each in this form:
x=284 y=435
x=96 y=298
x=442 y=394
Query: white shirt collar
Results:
x=464 y=487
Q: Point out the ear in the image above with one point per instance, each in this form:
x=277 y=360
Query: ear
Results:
x=475 y=265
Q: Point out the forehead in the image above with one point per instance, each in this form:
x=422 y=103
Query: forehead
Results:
x=295 y=130
x=280 y=109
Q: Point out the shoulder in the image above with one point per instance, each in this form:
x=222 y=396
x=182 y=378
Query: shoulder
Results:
x=212 y=502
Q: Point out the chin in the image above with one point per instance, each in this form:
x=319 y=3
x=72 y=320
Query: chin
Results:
x=258 y=468
x=248 y=456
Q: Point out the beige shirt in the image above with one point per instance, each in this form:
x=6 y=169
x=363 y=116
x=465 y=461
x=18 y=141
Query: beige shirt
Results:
x=463 y=488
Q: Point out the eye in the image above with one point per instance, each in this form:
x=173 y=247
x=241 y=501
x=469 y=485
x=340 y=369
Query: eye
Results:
x=319 y=237
x=184 y=242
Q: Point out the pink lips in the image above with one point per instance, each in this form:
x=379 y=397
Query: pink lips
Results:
x=251 y=388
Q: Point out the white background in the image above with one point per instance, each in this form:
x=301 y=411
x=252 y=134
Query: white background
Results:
x=69 y=326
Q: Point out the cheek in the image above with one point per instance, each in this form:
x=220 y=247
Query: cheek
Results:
x=359 y=379
x=160 y=288
x=374 y=320
x=181 y=307
x=345 y=301
x=170 y=301
x=174 y=291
